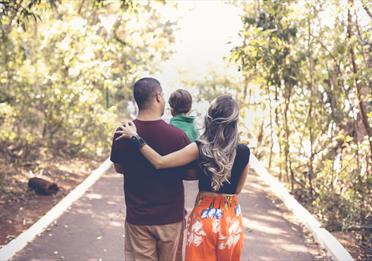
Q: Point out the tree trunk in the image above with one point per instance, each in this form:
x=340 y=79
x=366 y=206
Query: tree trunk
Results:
x=286 y=147
x=278 y=132
x=271 y=128
x=361 y=104
x=310 y=173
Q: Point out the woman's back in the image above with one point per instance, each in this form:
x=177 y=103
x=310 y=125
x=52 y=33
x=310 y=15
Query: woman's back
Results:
x=240 y=162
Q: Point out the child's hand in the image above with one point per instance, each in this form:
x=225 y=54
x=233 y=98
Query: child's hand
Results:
x=126 y=131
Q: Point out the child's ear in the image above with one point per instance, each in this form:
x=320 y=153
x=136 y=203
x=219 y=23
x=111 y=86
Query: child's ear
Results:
x=172 y=111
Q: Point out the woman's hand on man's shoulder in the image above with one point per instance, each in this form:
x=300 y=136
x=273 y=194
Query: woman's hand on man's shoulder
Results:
x=126 y=131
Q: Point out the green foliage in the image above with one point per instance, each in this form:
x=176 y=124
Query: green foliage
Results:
x=65 y=77
x=315 y=84
x=19 y=12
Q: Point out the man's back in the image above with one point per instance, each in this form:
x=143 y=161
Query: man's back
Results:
x=153 y=197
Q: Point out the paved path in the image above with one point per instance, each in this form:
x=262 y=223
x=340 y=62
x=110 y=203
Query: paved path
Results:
x=93 y=228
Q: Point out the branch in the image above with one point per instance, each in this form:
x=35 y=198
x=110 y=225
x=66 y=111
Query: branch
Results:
x=116 y=35
x=366 y=9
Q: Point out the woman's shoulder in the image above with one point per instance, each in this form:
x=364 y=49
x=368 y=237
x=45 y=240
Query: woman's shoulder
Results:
x=243 y=151
x=243 y=147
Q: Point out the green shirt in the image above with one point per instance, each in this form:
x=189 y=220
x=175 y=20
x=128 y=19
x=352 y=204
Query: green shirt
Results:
x=186 y=123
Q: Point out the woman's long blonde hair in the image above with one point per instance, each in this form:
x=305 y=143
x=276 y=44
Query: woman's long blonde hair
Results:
x=219 y=141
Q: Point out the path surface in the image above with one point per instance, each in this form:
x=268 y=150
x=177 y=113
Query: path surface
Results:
x=93 y=228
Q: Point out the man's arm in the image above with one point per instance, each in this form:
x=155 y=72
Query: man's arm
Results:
x=118 y=168
x=119 y=151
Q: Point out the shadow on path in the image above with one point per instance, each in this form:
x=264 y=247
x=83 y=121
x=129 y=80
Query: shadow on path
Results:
x=93 y=229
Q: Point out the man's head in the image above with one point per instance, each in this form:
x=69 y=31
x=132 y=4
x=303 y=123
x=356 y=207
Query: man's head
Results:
x=180 y=102
x=148 y=95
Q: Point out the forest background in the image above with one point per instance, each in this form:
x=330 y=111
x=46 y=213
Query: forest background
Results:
x=301 y=70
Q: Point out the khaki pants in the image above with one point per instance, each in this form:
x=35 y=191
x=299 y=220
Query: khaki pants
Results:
x=156 y=242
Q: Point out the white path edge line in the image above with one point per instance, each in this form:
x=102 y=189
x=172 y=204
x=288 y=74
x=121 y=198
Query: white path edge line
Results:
x=17 y=244
x=321 y=235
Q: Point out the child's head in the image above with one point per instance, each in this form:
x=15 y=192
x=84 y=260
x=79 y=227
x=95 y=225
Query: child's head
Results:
x=180 y=102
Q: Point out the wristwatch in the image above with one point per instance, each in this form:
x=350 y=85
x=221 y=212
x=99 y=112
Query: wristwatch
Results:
x=137 y=141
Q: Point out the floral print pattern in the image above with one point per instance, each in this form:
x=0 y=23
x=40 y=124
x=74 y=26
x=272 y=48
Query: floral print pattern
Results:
x=217 y=221
x=238 y=210
x=211 y=213
x=195 y=234
x=233 y=235
x=233 y=232
x=216 y=226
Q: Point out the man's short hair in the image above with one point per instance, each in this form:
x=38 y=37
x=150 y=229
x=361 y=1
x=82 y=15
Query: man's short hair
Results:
x=144 y=90
x=180 y=101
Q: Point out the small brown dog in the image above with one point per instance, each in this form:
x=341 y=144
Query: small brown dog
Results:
x=42 y=186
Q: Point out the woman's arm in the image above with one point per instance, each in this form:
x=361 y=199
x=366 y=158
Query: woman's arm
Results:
x=242 y=179
x=175 y=159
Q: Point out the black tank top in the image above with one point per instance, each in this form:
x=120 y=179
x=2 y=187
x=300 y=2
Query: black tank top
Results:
x=241 y=160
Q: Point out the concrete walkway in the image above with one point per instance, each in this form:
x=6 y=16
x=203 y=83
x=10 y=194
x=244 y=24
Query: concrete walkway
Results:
x=93 y=228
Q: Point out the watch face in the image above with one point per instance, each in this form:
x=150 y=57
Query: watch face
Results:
x=133 y=138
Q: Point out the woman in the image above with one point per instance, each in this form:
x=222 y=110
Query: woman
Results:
x=215 y=229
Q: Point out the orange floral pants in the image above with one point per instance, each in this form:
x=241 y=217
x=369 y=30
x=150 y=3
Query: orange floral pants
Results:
x=215 y=229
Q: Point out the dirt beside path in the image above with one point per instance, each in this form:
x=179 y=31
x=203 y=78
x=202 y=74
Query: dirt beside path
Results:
x=21 y=208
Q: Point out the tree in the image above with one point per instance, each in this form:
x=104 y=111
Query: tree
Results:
x=65 y=77
x=314 y=75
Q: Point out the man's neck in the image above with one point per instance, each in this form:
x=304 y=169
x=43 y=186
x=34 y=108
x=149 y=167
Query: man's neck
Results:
x=147 y=115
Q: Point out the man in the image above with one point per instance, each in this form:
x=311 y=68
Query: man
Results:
x=154 y=198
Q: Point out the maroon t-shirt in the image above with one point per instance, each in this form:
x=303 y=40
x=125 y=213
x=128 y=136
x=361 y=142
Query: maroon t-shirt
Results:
x=152 y=197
